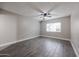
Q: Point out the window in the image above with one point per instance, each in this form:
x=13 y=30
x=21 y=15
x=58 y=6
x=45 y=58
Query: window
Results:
x=53 y=27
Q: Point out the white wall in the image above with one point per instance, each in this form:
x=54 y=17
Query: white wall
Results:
x=28 y=27
x=65 y=28
x=14 y=27
x=8 y=27
x=75 y=28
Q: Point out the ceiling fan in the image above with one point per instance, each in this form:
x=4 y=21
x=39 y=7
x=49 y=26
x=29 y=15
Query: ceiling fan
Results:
x=43 y=14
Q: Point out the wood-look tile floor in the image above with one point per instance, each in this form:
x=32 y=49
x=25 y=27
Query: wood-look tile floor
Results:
x=40 y=47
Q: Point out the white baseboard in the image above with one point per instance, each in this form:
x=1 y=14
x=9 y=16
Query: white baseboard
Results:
x=75 y=50
x=56 y=37
x=10 y=43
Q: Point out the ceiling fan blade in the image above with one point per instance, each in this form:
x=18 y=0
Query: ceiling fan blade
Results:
x=51 y=15
x=55 y=15
x=34 y=16
x=50 y=10
x=35 y=7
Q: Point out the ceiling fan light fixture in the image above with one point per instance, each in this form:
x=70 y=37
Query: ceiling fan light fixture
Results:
x=45 y=14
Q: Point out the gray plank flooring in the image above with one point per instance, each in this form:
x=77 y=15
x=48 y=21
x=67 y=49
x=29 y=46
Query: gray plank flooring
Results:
x=40 y=47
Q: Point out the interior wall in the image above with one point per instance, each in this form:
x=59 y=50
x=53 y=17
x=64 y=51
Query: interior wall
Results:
x=14 y=27
x=65 y=28
x=28 y=27
x=75 y=28
x=8 y=27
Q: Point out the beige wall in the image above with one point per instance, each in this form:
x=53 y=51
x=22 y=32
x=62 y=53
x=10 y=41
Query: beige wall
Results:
x=65 y=28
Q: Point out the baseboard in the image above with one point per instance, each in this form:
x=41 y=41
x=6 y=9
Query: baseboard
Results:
x=56 y=37
x=74 y=48
x=10 y=43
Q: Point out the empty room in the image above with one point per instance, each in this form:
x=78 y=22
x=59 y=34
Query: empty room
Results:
x=39 y=29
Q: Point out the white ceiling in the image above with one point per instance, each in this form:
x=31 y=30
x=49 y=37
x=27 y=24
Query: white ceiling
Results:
x=28 y=9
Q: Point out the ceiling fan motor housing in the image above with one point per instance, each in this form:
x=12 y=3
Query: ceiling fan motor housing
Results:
x=45 y=14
